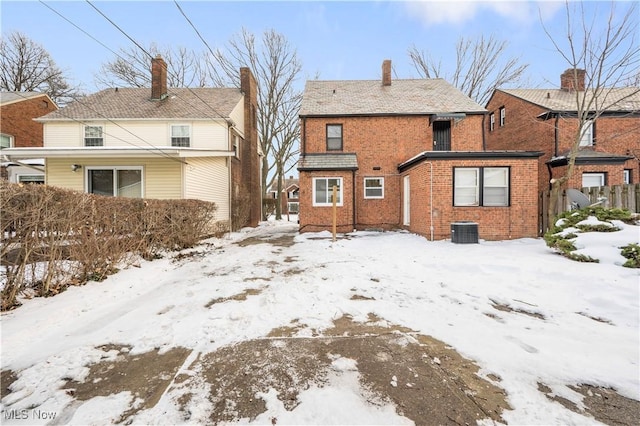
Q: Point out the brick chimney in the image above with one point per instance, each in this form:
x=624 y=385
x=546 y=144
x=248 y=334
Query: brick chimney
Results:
x=570 y=81
x=158 y=78
x=386 y=72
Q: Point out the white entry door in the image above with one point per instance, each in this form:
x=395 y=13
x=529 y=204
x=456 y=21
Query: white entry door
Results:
x=407 y=202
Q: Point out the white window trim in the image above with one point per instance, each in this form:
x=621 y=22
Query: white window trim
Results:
x=328 y=204
x=626 y=176
x=586 y=136
x=188 y=126
x=480 y=183
x=84 y=134
x=378 y=197
x=19 y=177
x=601 y=175
x=11 y=140
x=492 y=122
x=503 y=114
x=114 y=168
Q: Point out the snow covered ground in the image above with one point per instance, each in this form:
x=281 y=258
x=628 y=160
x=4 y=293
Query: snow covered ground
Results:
x=445 y=290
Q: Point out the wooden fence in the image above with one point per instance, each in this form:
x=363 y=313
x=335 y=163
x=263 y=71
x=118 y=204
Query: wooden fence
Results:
x=618 y=196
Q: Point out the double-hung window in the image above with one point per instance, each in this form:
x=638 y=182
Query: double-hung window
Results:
x=6 y=141
x=626 y=176
x=587 y=133
x=481 y=186
x=503 y=113
x=180 y=135
x=115 y=181
x=492 y=122
x=323 y=191
x=334 y=137
x=593 y=179
x=93 y=136
x=374 y=187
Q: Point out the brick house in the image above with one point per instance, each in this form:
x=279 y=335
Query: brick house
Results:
x=408 y=154
x=545 y=120
x=18 y=129
x=160 y=142
x=289 y=202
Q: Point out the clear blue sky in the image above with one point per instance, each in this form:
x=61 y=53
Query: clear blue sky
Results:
x=337 y=40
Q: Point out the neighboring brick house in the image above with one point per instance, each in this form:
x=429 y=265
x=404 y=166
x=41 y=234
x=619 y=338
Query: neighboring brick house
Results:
x=18 y=129
x=408 y=154
x=199 y=143
x=546 y=120
x=289 y=202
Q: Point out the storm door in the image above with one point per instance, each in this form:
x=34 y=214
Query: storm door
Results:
x=442 y=135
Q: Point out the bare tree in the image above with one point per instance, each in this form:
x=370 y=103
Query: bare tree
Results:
x=276 y=67
x=27 y=66
x=609 y=60
x=481 y=66
x=132 y=68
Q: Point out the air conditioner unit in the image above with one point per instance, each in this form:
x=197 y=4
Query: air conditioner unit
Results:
x=464 y=232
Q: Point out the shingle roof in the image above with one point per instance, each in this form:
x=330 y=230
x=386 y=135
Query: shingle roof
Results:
x=136 y=103
x=341 y=161
x=10 y=97
x=624 y=98
x=364 y=97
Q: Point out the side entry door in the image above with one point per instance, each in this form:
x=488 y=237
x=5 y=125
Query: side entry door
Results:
x=442 y=135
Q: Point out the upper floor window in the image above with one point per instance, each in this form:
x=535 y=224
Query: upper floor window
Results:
x=587 y=133
x=6 y=141
x=323 y=191
x=180 y=135
x=481 y=186
x=492 y=122
x=593 y=179
x=93 y=136
x=334 y=137
x=502 y=116
x=374 y=187
x=626 y=176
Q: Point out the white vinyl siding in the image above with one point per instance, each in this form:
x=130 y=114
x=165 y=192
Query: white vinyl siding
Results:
x=162 y=178
x=143 y=134
x=208 y=179
x=237 y=115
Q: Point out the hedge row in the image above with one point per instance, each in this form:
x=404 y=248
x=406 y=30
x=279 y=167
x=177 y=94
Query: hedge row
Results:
x=53 y=238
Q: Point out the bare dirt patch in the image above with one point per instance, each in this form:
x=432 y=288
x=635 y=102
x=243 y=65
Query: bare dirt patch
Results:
x=236 y=297
x=7 y=377
x=603 y=404
x=145 y=375
x=507 y=308
x=427 y=381
x=285 y=240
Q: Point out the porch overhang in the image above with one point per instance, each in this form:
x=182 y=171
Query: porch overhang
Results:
x=590 y=158
x=447 y=116
x=10 y=154
x=341 y=161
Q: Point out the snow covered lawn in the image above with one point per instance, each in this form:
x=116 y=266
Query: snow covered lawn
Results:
x=529 y=318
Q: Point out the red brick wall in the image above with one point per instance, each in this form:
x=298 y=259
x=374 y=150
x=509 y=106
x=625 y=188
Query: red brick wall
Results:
x=494 y=223
x=614 y=174
x=522 y=131
x=16 y=119
x=313 y=218
x=381 y=143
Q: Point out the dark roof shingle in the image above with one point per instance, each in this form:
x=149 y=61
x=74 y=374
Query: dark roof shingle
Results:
x=136 y=103
x=617 y=99
x=370 y=97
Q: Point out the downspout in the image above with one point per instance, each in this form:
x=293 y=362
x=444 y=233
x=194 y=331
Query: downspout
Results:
x=229 y=165
x=431 y=195
x=484 y=142
x=556 y=135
